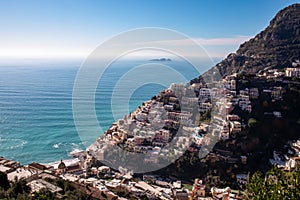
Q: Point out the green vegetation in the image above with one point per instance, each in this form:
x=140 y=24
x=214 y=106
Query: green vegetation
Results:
x=19 y=190
x=188 y=186
x=4 y=183
x=278 y=184
x=206 y=116
x=276 y=47
x=43 y=195
x=121 y=191
x=252 y=122
x=294 y=79
x=270 y=80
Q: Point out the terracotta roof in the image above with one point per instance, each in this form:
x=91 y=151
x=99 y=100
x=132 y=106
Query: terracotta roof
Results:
x=37 y=166
x=62 y=165
x=75 y=167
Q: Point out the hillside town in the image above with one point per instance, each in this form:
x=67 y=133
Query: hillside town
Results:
x=167 y=127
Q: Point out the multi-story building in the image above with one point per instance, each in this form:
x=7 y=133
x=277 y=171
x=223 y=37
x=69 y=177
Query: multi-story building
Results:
x=292 y=72
x=235 y=127
x=253 y=93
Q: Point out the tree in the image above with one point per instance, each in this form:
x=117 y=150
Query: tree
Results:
x=19 y=187
x=294 y=78
x=252 y=122
x=4 y=183
x=206 y=115
x=43 y=194
x=256 y=187
x=277 y=184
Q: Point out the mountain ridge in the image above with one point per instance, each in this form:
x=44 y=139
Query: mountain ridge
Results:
x=277 y=46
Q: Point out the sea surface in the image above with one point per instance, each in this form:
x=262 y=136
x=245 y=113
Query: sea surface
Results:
x=36 y=118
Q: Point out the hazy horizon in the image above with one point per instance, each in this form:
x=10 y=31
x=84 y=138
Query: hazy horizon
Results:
x=62 y=30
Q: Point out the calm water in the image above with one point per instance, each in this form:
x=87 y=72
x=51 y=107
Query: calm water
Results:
x=36 y=120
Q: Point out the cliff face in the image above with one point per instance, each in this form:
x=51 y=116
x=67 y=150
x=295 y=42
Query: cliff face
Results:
x=277 y=46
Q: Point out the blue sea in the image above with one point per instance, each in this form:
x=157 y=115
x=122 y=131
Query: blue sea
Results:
x=36 y=119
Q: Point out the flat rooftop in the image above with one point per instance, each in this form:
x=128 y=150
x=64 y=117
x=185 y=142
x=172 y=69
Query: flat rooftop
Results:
x=19 y=173
x=4 y=169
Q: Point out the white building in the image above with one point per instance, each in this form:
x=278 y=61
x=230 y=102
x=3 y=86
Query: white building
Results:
x=204 y=93
x=253 y=93
x=292 y=72
x=242 y=178
x=235 y=127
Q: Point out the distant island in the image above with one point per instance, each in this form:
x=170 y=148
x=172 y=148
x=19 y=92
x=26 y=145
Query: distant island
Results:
x=161 y=59
x=256 y=126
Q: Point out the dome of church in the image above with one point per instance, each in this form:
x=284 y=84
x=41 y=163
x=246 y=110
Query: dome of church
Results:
x=62 y=165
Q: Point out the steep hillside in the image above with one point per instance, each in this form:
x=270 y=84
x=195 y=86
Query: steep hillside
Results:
x=277 y=46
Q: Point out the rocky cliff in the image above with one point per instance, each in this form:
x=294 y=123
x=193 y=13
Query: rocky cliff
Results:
x=276 y=47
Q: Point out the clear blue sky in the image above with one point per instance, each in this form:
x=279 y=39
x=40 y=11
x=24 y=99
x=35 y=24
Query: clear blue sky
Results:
x=60 y=25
